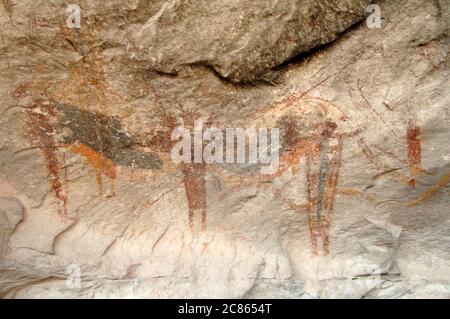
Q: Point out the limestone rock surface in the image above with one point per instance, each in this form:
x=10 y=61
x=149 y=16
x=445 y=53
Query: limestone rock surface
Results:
x=241 y=40
x=93 y=206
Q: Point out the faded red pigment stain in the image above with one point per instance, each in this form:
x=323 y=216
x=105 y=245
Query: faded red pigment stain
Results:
x=290 y=159
x=195 y=186
x=194 y=178
x=43 y=135
x=414 y=145
x=22 y=90
x=194 y=174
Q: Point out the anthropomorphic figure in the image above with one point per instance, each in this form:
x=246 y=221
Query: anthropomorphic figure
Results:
x=314 y=129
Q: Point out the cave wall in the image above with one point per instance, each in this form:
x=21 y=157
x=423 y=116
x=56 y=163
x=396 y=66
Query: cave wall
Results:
x=88 y=189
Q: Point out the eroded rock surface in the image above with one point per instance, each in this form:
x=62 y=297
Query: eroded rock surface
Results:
x=358 y=208
x=241 y=40
x=11 y=213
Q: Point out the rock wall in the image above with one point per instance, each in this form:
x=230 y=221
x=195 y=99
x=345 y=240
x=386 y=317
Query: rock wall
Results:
x=93 y=206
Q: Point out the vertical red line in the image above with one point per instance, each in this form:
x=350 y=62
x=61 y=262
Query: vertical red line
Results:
x=43 y=132
x=414 y=145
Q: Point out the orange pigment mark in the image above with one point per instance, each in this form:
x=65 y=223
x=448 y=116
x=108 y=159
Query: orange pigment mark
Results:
x=349 y=192
x=431 y=192
x=22 y=90
x=99 y=162
x=368 y=153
